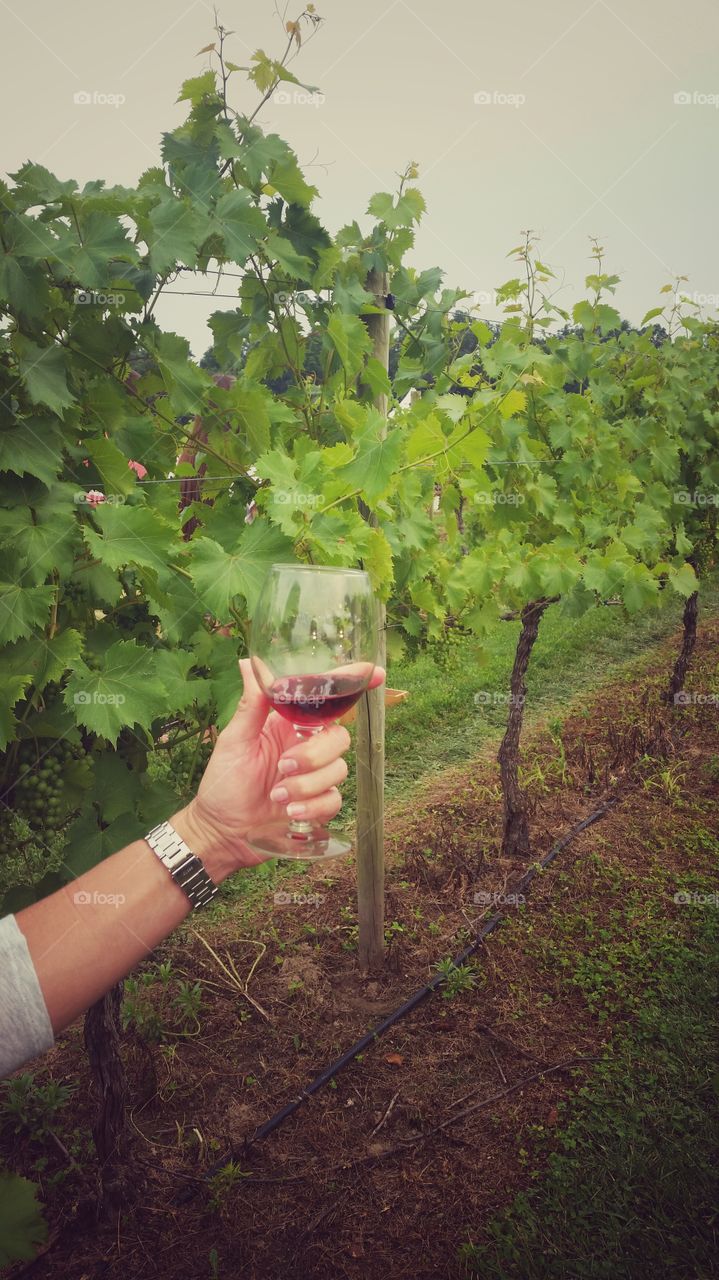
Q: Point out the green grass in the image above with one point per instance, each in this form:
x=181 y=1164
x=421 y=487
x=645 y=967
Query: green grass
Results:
x=632 y=1186
x=440 y=724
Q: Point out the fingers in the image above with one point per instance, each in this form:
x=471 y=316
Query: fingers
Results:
x=379 y=675
x=316 y=752
x=303 y=786
x=320 y=808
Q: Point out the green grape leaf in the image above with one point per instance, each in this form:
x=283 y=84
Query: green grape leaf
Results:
x=375 y=376
x=221 y=576
x=349 y=295
x=126 y=691
x=44 y=372
x=684 y=580
x=178 y=230
x=22 y=609
x=372 y=471
x=22 y=1226
x=414 y=530
x=44 y=661
x=639 y=589
x=558 y=574
x=32 y=447
x=249 y=406
x=240 y=223
x=102 y=238
x=515 y=401
x=225 y=680
x=129 y=535
x=39 y=540
x=350 y=339
x=114 y=786
x=24 y=286
x=408 y=209
x=277 y=467
x=377 y=560
x=12 y=688
x=281 y=250
x=174 y=601
x=172 y=667
x=198 y=87
x=425 y=439
x=338 y=537
x=472 y=445
x=286 y=177
x=117 y=477
x=186 y=383
x=260 y=152
x=651 y=315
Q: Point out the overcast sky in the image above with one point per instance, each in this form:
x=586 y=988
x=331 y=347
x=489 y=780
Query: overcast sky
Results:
x=560 y=116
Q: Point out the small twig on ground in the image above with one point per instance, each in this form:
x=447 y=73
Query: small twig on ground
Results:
x=385 y=1116
x=498 y=1064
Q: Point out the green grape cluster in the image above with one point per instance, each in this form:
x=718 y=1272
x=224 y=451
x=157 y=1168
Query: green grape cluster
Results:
x=188 y=763
x=133 y=618
x=37 y=793
x=73 y=592
x=446 y=649
x=703 y=554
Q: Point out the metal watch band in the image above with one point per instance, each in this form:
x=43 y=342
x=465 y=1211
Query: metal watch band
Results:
x=184 y=867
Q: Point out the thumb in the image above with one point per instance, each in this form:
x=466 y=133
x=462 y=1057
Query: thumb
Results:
x=252 y=709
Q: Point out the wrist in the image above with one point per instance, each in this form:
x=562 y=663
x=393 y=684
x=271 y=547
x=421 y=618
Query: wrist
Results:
x=218 y=859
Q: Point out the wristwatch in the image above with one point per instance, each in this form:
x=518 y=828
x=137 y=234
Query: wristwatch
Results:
x=184 y=867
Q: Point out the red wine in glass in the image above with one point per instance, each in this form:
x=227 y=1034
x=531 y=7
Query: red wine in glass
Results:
x=314 y=644
x=315 y=700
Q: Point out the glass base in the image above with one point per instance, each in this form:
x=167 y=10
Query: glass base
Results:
x=312 y=844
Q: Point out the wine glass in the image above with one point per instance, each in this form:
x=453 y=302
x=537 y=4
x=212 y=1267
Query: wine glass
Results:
x=314 y=643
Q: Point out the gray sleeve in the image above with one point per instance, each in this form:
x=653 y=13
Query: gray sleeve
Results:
x=25 y=1027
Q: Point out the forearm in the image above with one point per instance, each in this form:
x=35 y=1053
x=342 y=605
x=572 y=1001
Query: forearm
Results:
x=92 y=932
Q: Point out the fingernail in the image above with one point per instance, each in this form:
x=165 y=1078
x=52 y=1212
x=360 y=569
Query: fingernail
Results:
x=279 y=794
x=296 y=810
x=287 y=766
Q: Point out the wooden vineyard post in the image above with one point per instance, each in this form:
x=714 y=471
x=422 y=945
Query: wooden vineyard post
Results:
x=370 y=727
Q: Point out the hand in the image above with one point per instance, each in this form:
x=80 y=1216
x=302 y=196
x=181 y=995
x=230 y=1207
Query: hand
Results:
x=256 y=758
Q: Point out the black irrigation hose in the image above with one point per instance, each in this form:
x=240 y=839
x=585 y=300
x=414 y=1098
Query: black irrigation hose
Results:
x=324 y=1076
